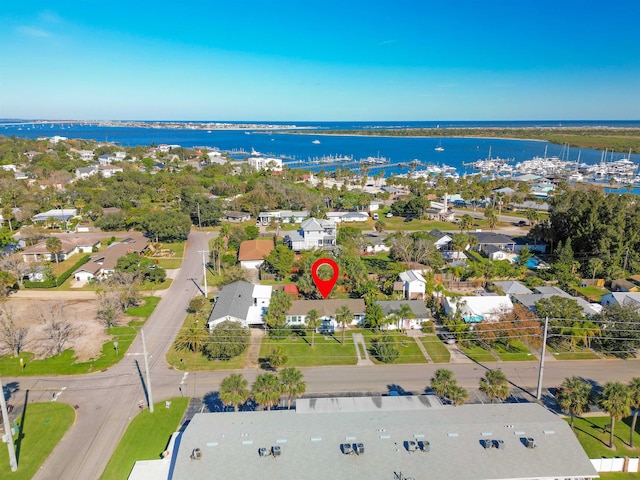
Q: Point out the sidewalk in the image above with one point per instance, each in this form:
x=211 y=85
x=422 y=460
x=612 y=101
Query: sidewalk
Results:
x=416 y=334
x=361 y=346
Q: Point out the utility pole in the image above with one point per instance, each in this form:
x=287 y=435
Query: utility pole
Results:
x=204 y=271
x=544 y=349
x=626 y=259
x=199 y=225
x=146 y=367
x=7 y=430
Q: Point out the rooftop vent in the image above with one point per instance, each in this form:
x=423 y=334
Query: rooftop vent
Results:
x=346 y=448
x=410 y=445
x=530 y=442
x=196 y=454
x=262 y=452
x=487 y=444
x=424 y=446
x=359 y=448
x=499 y=444
x=276 y=451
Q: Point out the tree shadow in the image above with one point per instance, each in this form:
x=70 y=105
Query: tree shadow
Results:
x=23 y=418
x=397 y=390
x=9 y=389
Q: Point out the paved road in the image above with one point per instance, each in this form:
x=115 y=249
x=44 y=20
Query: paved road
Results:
x=106 y=401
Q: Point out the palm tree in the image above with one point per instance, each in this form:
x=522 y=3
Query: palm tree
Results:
x=234 y=390
x=634 y=393
x=191 y=338
x=466 y=222
x=574 y=396
x=313 y=322
x=441 y=382
x=495 y=384
x=266 y=390
x=292 y=384
x=403 y=313
x=457 y=395
x=54 y=245
x=615 y=399
x=343 y=316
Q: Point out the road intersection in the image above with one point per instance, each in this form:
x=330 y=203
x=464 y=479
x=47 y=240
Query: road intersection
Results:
x=106 y=401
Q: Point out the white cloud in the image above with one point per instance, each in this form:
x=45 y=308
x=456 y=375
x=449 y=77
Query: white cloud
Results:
x=387 y=42
x=33 y=31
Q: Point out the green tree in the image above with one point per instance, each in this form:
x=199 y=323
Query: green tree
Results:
x=7 y=283
x=491 y=216
x=403 y=313
x=277 y=357
x=620 y=330
x=565 y=266
x=276 y=312
x=343 y=317
x=228 y=339
x=54 y=246
x=234 y=390
x=167 y=225
x=292 y=384
x=251 y=232
x=634 y=395
x=374 y=316
x=266 y=390
x=280 y=260
x=458 y=395
x=441 y=382
x=313 y=322
x=191 y=338
x=466 y=222
x=384 y=348
x=495 y=384
x=615 y=399
x=574 y=397
x=565 y=316
x=7 y=214
x=524 y=255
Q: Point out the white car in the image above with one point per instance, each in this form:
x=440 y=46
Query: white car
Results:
x=389 y=215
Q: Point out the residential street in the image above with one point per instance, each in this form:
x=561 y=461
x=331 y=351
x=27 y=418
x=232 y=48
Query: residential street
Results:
x=106 y=401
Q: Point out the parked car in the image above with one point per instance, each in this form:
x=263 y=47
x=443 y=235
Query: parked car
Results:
x=375 y=216
x=389 y=215
x=448 y=338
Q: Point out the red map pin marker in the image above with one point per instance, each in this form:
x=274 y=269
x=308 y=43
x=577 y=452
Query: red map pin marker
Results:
x=324 y=286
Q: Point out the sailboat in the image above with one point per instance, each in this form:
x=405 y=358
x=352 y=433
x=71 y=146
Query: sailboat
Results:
x=439 y=148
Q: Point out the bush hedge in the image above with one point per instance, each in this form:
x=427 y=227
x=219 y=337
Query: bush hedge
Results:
x=62 y=278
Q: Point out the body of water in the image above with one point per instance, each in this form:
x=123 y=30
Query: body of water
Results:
x=303 y=149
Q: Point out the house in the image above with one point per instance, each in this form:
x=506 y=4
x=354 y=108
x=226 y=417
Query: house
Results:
x=375 y=205
x=499 y=240
x=495 y=253
x=297 y=314
x=357 y=217
x=623 y=299
x=85 y=155
x=69 y=247
x=83 y=173
x=106 y=159
x=313 y=234
x=622 y=285
x=376 y=244
x=109 y=171
x=241 y=302
x=56 y=214
x=418 y=309
x=380 y=437
x=283 y=216
x=236 y=217
x=266 y=163
x=477 y=309
x=530 y=300
x=512 y=288
x=252 y=252
x=442 y=239
x=102 y=264
x=413 y=285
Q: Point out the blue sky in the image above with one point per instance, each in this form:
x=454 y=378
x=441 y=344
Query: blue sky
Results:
x=330 y=60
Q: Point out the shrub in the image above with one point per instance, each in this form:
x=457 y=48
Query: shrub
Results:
x=384 y=348
x=227 y=340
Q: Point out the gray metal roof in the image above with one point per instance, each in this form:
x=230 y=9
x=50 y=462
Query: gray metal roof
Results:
x=512 y=287
x=310 y=442
x=418 y=307
x=234 y=301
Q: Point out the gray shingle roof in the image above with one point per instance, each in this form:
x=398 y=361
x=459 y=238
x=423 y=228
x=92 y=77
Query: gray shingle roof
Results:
x=234 y=301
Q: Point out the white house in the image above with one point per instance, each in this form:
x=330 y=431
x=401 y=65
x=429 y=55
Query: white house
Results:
x=414 y=284
x=299 y=311
x=283 y=216
x=109 y=171
x=623 y=299
x=478 y=309
x=313 y=233
x=442 y=239
x=266 y=163
x=241 y=302
x=419 y=312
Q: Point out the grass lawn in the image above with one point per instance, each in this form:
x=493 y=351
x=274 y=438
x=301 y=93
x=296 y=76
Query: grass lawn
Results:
x=516 y=352
x=146 y=309
x=477 y=353
x=436 y=349
x=327 y=350
x=170 y=263
x=408 y=349
x=65 y=363
x=146 y=438
x=41 y=427
x=593 y=293
x=194 y=361
x=618 y=476
x=595 y=440
x=580 y=353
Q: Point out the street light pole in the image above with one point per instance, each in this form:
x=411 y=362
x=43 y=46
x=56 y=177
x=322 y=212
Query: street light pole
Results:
x=146 y=367
x=7 y=430
x=204 y=271
x=544 y=349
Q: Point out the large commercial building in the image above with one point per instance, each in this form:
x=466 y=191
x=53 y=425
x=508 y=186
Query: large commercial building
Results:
x=382 y=438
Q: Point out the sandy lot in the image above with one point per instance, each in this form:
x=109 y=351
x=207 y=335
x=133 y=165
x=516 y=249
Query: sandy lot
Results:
x=29 y=307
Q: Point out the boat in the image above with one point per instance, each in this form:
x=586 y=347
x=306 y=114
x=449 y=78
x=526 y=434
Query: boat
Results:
x=439 y=148
x=316 y=142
